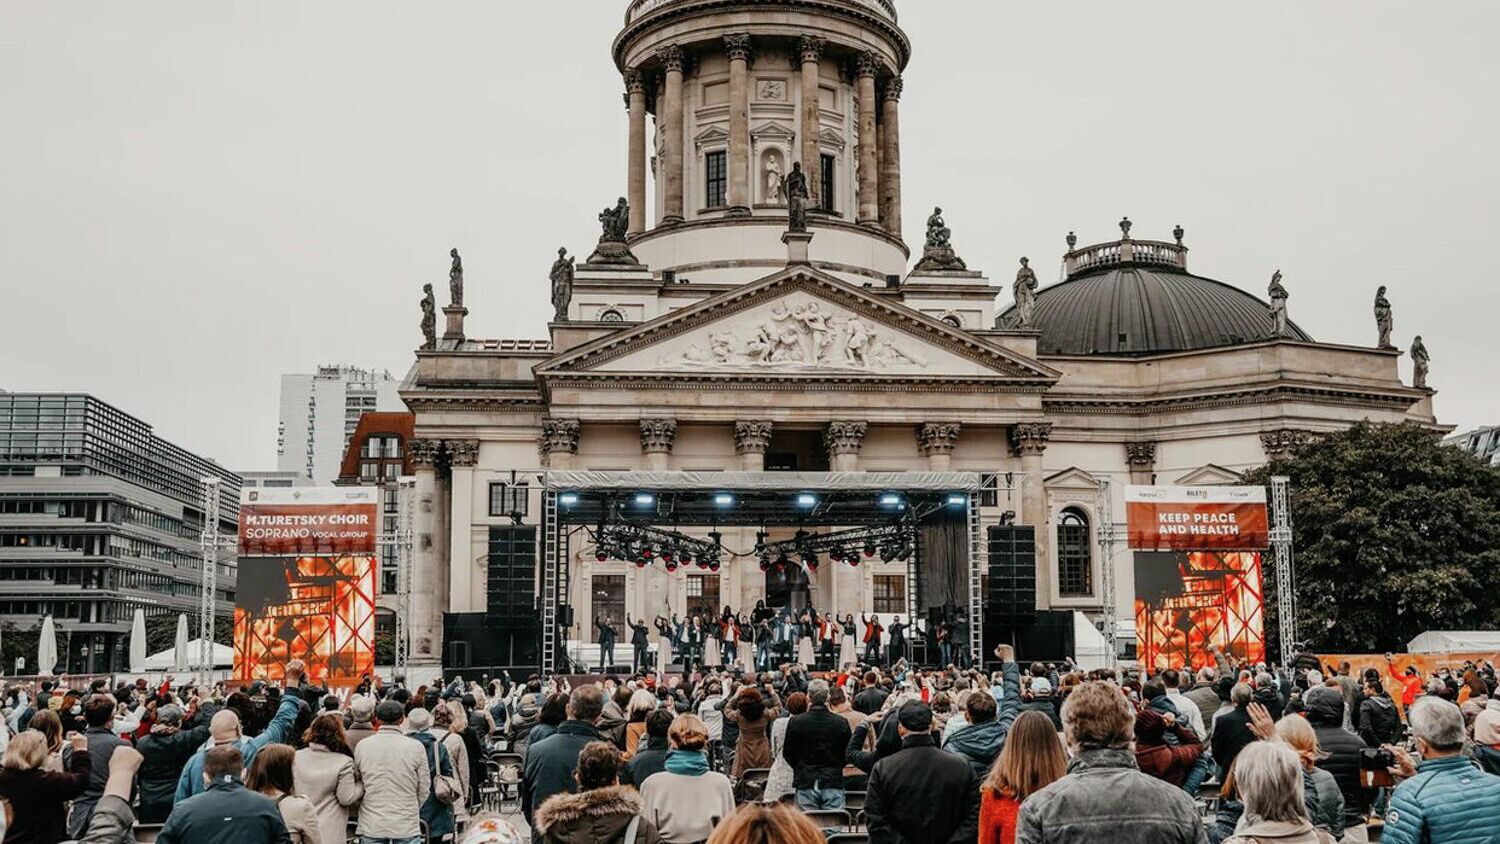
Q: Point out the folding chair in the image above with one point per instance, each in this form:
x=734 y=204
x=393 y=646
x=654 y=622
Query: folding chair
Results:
x=145 y=833
x=830 y=818
x=854 y=801
x=849 y=838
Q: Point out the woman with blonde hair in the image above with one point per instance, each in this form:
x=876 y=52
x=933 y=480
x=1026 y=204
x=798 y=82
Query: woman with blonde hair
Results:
x=756 y=824
x=38 y=797
x=1031 y=759
x=1324 y=801
x=641 y=704
x=1268 y=778
x=49 y=725
x=448 y=720
x=687 y=800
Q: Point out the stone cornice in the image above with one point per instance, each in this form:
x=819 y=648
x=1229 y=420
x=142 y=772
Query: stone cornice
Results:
x=780 y=382
x=1077 y=404
x=866 y=17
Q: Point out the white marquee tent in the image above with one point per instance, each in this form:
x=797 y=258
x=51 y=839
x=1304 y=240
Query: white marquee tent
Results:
x=167 y=659
x=1454 y=641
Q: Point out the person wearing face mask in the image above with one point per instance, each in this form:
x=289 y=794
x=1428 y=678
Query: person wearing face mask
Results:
x=99 y=714
x=224 y=729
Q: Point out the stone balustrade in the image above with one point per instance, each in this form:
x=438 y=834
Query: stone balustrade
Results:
x=641 y=8
x=1117 y=252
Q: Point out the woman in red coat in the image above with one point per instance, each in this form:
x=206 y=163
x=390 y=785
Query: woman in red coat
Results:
x=1031 y=759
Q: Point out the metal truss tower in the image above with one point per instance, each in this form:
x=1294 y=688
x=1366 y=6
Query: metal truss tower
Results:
x=1281 y=544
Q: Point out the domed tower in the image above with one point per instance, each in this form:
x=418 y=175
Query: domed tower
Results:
x=743 y=91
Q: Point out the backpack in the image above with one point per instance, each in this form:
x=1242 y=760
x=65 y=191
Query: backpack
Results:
x=445 y=786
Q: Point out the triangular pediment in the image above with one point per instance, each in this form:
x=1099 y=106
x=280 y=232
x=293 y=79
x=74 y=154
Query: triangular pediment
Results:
x=773 y=130
x=1072 y=478
x=1209 y=475
x=798 y=324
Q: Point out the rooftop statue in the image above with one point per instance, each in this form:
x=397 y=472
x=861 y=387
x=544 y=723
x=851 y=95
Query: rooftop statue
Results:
x=456 y=279
x=612 y=248
x=1419 y=363
x=1383 y=321
x=1278 y=295
x=562 y=285
x=429 y=319
x=938 y=253
x=794 y=191
x=1026 y=285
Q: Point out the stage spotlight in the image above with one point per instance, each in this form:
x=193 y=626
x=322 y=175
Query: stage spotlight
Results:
x=869 y=549
x=641 y=562
x=905 y=552
x=713 y=566
x=648 y=552
x=957 y=500
x=765 y=564
x=601 y=555
x=685 y=558
x=645 y=499
x=890 y=499
x=807 y=500
x=568 y=499
x=724 y=500
x=671 y=566
x=887 y=554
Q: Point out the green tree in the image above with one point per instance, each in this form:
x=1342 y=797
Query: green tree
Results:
x=1393 y=534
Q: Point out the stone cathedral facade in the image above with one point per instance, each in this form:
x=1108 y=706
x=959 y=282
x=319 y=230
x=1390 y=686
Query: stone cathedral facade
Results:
x=701 y=343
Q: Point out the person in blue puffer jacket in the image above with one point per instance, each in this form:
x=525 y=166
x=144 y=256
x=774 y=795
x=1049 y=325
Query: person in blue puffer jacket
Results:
x=1446 y=798
x=224 y=729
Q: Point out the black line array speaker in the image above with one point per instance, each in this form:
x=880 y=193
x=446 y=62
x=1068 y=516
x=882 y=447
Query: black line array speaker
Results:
x=1012 y=589
x=470 y=641
x=512 y=575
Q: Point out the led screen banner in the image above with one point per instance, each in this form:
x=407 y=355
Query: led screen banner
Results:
x=306 y=583
x=1196 y=518
x=1186 y=601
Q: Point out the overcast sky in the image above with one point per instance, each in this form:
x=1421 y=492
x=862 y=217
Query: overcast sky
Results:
x=196 y=197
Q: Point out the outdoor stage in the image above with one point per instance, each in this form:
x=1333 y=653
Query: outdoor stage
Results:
x=923 y=524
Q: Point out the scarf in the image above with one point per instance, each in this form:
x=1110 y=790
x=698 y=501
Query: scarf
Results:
x=692 y=763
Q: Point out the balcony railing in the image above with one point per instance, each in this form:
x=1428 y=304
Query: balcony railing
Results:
x=640 y=8
x=1125 y=252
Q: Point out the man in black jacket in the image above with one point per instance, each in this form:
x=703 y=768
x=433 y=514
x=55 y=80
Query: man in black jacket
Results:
x=550 y=762
x=640 y=642
x=872 y=697
x=1325 y=712
x=921 y=793
x=606 y=644
x=164 y=751
x=1232 y=729
x=814 y=747
x=1378 y=722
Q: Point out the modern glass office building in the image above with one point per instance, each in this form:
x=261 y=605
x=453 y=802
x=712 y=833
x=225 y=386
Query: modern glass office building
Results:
x=99 y=516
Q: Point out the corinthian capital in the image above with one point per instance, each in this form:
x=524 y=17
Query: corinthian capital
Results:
x=1030 y=438
x=938 y=437
x=671 y=58
x=893 y=87
x=635 y=82
x=423 y=454
x=1140 y=455
x=752 y=437
x=462 y=453
x=867 y=63
x=812 y=48
x=658 y=435
x=560 y=436
x=1282 y=444
x=845 y=437
x=737 y=46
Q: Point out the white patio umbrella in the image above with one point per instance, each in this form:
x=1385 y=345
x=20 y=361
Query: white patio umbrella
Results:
x=180 y=647
x=138 y=641
x=46 y=648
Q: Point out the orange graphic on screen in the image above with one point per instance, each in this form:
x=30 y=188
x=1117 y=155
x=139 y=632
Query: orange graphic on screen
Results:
x=1186 y=601
x=320 y=610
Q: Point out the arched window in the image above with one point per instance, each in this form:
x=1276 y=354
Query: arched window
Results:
x=953 y=320
x=612 y=315
x=1075 y=555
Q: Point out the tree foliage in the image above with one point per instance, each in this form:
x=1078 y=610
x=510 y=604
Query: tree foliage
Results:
x=1393 y=534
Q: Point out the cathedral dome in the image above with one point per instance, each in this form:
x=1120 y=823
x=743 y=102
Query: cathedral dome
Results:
x=1136 y=298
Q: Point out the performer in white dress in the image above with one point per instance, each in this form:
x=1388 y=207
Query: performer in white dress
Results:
x=666 y=632
x=746 y=656
x=805 y=634
x=848 y=650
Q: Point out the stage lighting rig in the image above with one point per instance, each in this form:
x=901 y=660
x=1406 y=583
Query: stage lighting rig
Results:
x=893 y=541
x=642 y=545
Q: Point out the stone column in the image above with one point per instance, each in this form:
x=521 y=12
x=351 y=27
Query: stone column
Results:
x=657 y=439
x=936 y=441
x=751 y=439
x=635 y=97
x=1029 y=440
x=1141 y=457
x=844 y=440
x=812 y=122
x=890 y=158
x=869 y=184
x=463 y=456
x=559 y=442
x=672 y=183
x=425 y=624
x=738 y=48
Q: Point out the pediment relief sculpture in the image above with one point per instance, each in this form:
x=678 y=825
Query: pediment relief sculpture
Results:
x=800 y=336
